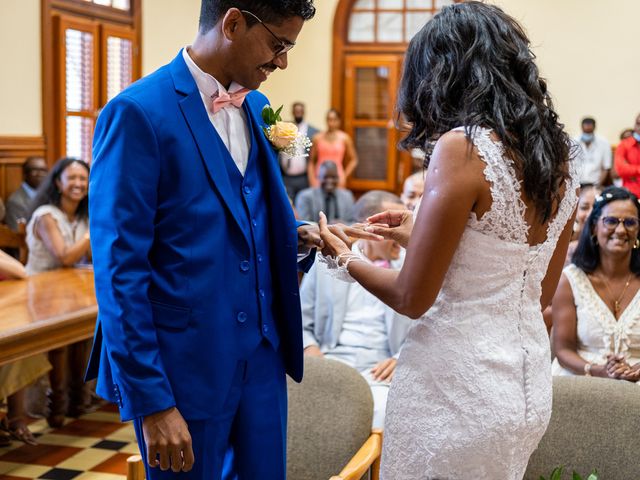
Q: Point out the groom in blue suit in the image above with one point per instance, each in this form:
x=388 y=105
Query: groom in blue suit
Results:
x=195 y=251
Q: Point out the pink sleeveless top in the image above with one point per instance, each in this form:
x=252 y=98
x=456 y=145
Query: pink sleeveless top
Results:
x=333 y=151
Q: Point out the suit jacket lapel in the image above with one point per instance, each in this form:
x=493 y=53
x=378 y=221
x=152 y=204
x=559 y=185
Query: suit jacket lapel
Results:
x=279 y=202
x=207 y=139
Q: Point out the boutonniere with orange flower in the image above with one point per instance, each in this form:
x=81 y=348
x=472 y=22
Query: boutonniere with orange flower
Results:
x=284 y=136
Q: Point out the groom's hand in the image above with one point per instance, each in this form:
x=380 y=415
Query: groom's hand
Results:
x=309 y=237
x=168 y=441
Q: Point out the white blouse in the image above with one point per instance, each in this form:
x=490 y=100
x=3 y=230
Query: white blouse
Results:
x=40 y=258
x=599 y=333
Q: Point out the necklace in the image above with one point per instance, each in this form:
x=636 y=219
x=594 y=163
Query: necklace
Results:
x=616 y=303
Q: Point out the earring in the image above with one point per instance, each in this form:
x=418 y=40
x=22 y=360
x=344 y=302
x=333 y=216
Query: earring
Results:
x=637 y=244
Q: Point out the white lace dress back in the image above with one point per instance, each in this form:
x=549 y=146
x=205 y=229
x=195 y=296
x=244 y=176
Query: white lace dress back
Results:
x=599 y=333
x=471 y=395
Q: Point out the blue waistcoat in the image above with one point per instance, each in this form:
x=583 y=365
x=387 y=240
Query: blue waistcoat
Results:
x=256 y=318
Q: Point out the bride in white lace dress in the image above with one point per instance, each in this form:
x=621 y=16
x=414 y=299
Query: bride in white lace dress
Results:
x=471 y=395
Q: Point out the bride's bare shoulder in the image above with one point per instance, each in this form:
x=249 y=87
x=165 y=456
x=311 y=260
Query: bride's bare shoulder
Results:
x=454 y=153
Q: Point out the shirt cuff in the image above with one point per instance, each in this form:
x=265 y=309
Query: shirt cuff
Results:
x=303 y=255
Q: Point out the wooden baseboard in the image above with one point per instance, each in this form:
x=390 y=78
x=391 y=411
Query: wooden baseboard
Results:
x=15 y=145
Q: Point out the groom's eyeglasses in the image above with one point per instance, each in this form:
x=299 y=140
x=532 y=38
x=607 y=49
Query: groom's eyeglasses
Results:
x=282 y=47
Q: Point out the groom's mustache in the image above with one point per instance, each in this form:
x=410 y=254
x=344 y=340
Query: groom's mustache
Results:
x=269 y=66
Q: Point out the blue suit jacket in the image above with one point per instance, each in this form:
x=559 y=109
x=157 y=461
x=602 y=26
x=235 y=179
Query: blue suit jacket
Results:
x=167 y=244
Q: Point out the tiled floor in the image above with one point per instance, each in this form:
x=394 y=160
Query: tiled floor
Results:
x=93 y=447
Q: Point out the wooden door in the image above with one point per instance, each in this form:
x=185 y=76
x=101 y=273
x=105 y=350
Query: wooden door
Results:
x=371 y=83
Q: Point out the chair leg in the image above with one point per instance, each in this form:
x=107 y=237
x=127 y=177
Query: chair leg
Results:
x=375 y=467
x=135 y=468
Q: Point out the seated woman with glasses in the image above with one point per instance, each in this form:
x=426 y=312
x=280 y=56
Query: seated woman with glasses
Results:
x=596 y=308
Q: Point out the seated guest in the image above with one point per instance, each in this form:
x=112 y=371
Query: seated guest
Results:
x=34 y=169
x=412 y=190
x=586 y=200
x=58 y=230
x=585 y=204
x=627 y=160
x=344 y=322
x=596 y=308
x=16 y=376
x=58 y=236
x=335 y=202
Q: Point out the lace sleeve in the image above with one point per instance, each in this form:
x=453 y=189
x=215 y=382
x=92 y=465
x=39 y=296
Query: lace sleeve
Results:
x=338 y=267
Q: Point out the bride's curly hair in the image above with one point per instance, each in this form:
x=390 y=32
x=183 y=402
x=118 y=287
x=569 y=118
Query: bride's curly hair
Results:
x=471 y=66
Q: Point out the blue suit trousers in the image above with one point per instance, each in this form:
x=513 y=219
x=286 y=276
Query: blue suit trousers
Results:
x=248 y=441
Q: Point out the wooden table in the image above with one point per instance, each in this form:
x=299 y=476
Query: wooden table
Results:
x=46 y=311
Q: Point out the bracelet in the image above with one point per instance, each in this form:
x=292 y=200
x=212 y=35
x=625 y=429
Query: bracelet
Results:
x=344 y=259
x=587 y=369
x=352 y=258
x=338 y=266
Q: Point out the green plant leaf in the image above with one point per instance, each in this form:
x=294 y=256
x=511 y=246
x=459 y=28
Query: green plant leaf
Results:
x=277 y=115
x=575 y=476
x=266 y=114
x=593 y=475
x=556 y=474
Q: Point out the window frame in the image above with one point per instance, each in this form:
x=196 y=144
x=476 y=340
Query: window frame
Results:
x=342 y=52
x=83 y=12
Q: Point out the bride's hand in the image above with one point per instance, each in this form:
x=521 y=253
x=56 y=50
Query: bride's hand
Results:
x=343 y=236
x=336 y=241
x=393 y=225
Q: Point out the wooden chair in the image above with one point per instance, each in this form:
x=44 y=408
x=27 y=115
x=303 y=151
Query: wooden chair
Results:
x=367 y=459
x=15 y=240
x=329 y=427
x=594 y=424
x=135 y=468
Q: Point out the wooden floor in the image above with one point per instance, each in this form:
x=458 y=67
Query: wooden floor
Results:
x=93 y=447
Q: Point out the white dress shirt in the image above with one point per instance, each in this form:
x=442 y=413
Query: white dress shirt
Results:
x=595 y=158
x=31 y=192
x=230 y=122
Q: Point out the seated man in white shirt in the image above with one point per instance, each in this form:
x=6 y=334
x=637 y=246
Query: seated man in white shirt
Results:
x=343 y=321
x=597 y=158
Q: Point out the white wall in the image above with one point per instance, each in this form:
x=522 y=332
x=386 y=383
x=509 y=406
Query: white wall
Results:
x=587 y=49
x=20 y=82
x=167 y=26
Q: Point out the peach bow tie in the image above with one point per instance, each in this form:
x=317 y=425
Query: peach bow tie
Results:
x=225 y=99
